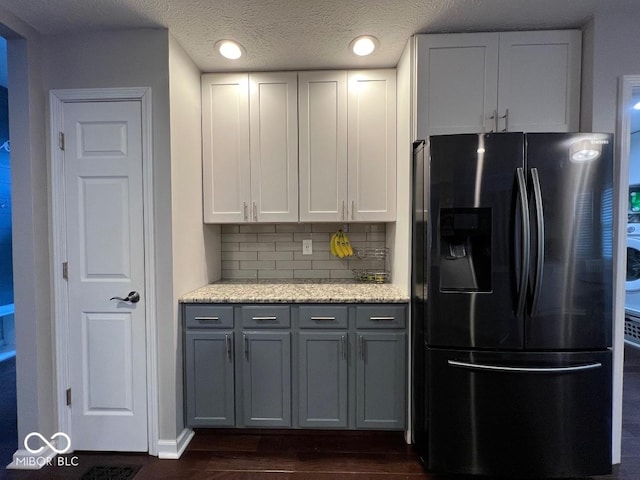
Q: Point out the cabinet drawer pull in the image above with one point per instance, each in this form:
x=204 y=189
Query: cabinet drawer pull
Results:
x=246 y=346
x=208 y=319
x=246 y=212
x=361 y=341
x=353 y=209
x=323 y=318
x=343 y=350
x=260 y=319
x=382 y=319
x=255 y=212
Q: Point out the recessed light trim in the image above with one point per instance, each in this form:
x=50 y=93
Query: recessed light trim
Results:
x=364 y=45
x=229 y=49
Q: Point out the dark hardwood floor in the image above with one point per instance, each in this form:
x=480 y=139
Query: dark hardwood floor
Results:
x=308 y=455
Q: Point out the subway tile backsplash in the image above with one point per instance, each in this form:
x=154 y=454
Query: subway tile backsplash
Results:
x=274 y=251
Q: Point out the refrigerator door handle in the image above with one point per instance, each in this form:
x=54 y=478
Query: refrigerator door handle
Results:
x=537 y=285
x=526 y=241
x=506 y=368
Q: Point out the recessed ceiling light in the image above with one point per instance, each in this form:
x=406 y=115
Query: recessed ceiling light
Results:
x=364 y=45
x=229 y=49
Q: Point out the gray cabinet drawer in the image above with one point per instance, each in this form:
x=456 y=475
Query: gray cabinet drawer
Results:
x=261 y=316
x=209 y=316
x=322 y=316
x=381 y=316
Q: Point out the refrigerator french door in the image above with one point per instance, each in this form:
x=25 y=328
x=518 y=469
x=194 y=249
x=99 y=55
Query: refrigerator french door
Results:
x=518 y=312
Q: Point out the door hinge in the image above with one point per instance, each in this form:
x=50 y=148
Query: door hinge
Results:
x=68 y=392
x=61 y=140
x=65 y=270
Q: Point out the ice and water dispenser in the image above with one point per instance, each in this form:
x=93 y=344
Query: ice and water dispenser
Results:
x=465 y=249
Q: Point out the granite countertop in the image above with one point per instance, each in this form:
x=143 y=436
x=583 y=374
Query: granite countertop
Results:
x=311 y=291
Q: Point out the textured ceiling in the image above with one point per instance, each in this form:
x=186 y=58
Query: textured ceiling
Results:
x=304 y=34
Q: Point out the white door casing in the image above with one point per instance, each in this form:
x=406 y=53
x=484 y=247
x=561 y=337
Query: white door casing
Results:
x=99 y=230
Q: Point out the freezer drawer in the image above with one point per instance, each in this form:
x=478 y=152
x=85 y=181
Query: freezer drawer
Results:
x=520 y=414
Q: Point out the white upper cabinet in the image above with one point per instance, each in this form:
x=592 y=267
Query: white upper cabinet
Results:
x=539 y=81
x=250 y=151
x=323 y=146
x=225 y=148
x=348 y=146
x=487 y=82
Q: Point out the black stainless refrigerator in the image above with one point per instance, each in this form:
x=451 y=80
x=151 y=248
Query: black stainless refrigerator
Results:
x=512 y=303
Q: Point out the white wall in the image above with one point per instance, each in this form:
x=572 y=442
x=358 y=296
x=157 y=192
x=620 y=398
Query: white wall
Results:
x=192 y=267
x=399 y=233
x=34 y=366
x=134 y=58
x=614 y=40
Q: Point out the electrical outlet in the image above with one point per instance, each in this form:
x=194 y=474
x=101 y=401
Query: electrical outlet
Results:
x=307 y=247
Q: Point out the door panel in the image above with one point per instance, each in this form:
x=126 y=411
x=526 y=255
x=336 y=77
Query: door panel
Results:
x=323 y=384
x=273 y=123
x=105 y=254
x=266 y=371
x=574 y=308
x=519 y=424
x=473 y=264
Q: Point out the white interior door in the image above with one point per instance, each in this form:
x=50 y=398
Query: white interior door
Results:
x=105 y=255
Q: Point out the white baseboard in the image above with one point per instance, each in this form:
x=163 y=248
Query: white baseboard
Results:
x=25 y=460
x=173 y=449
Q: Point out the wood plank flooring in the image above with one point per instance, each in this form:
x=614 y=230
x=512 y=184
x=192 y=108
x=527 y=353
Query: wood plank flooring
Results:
x=310 y=455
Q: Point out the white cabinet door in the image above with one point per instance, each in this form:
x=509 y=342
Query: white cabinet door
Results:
x=274 y=147
x=371 y=144
x=539 y=81
x=250 y=147
x=457 y=83
x=496 y=82
x=225 y=148
x=323 y=145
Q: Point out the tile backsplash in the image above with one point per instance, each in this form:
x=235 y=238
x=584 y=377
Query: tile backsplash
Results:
x=274 y=251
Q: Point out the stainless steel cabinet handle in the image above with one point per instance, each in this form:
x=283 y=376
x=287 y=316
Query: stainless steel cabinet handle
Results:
x=207 y=319
x=227 y=339
x=382 y=319
x=361 y=341
x=132 y=297
x=506 y=120
x=255 y=212
x=342 y=209
x=343 y=350
x=246 y=346
x=323 y=318
x=260 y=319
x=353 y=209
x=494 y=117
x=246 y=212
x=505 y=368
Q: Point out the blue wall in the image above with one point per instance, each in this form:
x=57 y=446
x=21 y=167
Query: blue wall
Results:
x=6 y=266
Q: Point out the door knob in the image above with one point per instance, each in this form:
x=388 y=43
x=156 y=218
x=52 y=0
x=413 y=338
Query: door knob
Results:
x=133 y=297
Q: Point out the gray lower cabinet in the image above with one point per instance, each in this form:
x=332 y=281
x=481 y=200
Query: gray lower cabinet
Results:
x=295 y=366
x=323 y=379
x=381 y=380
x=381 y=366
x=323 y=366
x=266 y=379
x=209 y=378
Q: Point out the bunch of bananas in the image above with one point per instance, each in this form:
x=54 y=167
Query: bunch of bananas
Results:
x=340 y=245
